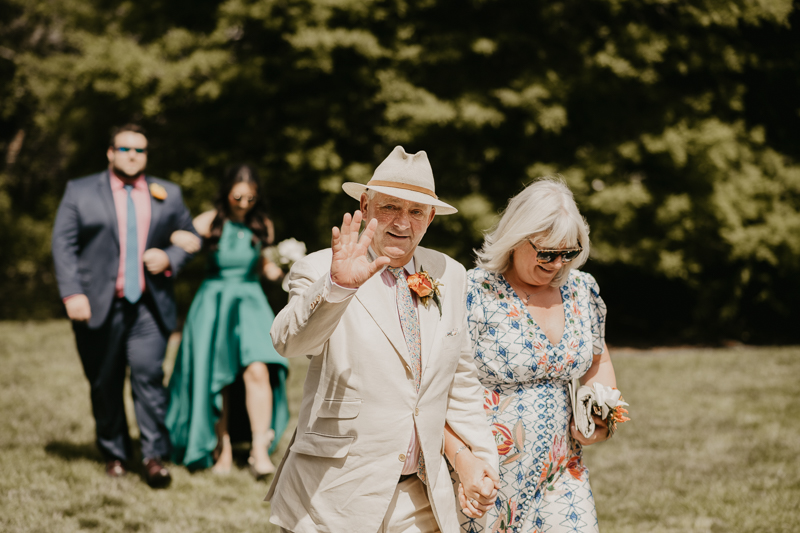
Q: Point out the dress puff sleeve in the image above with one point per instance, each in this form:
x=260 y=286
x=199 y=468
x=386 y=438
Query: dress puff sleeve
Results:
x=597 y=309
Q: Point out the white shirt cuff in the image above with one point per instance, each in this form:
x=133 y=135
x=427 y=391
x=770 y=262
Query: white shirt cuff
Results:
x=337 y=293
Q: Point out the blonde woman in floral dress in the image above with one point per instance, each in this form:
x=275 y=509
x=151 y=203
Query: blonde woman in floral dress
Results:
x=537 y=323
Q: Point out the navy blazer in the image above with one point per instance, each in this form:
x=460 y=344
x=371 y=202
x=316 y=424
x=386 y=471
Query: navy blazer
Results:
x=86 y=244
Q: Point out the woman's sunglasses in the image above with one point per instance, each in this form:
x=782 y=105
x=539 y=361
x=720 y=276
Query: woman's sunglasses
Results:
x=548 y=256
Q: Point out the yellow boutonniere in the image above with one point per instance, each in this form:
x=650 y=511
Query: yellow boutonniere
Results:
x=158 y=192
x=426 y=288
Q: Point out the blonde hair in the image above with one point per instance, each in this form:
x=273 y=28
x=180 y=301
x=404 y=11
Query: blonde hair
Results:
x=544 y=212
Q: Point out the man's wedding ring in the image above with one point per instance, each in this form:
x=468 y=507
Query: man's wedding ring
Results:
x=473 y=502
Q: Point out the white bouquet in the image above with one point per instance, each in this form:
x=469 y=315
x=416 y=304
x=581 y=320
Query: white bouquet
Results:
x=286 y=254
x=597 y=400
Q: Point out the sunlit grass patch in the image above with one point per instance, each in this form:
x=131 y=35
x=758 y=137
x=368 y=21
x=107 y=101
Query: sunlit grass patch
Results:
x=52 y=476
x=712 y=447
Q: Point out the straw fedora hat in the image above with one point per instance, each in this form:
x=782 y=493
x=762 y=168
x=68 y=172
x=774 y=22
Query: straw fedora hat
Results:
x=405 y=176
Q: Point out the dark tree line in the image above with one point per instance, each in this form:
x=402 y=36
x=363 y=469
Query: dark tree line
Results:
x=675 y=123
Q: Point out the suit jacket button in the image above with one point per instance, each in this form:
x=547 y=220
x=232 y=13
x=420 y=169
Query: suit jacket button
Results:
x=402 y=457
x=416 y=411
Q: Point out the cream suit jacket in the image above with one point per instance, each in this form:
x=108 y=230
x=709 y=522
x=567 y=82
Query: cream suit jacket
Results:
x=360 y=403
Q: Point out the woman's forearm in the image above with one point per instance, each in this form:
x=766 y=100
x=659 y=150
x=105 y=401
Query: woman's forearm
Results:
x=452 y=445
x=601 y=371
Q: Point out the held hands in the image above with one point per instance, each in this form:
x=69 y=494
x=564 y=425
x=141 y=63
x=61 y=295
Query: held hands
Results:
x=600 y=432
x=479 y=483
x=155 y=260
x=350 y=266
x=186 y=240
x=78 y=308
x=474 y=507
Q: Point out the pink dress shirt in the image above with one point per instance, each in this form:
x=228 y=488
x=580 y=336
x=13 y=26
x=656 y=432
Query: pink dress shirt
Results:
x=141 y=202
x=338 y=293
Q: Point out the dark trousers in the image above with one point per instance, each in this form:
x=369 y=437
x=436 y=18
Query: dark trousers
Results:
x=131 y=336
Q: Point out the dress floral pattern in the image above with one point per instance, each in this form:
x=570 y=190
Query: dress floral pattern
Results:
x=544 y=486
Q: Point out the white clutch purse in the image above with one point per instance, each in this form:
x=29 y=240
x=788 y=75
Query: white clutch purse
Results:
x=597 y=400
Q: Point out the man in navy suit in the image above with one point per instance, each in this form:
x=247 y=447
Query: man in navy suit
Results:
x=115 y=267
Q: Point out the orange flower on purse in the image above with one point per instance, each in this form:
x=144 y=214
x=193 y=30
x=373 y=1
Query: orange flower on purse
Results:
x=426 y=288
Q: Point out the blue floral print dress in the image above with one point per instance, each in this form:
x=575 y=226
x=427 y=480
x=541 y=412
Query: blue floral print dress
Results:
x=544 y=486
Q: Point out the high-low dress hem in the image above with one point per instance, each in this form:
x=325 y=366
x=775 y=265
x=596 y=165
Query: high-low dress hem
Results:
x=226 y=330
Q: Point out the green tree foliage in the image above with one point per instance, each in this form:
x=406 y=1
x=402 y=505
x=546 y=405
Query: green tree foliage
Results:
x=675 y=123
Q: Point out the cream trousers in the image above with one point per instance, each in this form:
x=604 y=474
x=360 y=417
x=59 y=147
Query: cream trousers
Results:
x=408 y=512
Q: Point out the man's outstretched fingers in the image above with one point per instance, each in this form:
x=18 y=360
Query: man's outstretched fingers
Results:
x=381 y=262
x=345 y=232
x=353 y=227
x=356 y=225
x=369 y=232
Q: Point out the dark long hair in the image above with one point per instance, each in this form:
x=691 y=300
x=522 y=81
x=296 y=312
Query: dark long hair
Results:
x=256 y=219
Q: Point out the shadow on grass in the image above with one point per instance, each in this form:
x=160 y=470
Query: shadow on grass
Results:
x=71 y=451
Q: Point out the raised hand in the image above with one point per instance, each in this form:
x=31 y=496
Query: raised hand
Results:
x=350 y=266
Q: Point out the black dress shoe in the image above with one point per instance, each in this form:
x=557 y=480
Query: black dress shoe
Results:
x=115 y=468
x=156 y=474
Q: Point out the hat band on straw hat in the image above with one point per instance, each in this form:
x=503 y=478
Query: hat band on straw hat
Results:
x=396 y=185
x=405 y=176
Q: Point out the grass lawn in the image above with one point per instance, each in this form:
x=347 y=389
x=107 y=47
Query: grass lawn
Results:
x=713 y=447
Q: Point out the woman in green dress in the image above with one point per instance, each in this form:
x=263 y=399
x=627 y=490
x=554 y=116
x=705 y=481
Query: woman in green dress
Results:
x=227 y=333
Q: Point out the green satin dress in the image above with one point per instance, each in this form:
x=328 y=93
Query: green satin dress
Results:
x=227 y=329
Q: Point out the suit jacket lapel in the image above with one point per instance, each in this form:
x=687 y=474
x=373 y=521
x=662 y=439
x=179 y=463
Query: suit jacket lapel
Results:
x=429 y=319
x=373 y=296
x=107 y=199
x=156 y=207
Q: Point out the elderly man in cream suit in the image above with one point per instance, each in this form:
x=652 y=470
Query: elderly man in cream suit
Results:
x=389 y=371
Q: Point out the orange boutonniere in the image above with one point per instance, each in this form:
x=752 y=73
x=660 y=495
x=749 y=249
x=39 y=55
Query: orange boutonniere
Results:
x=158 y=192
x=426 y=288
